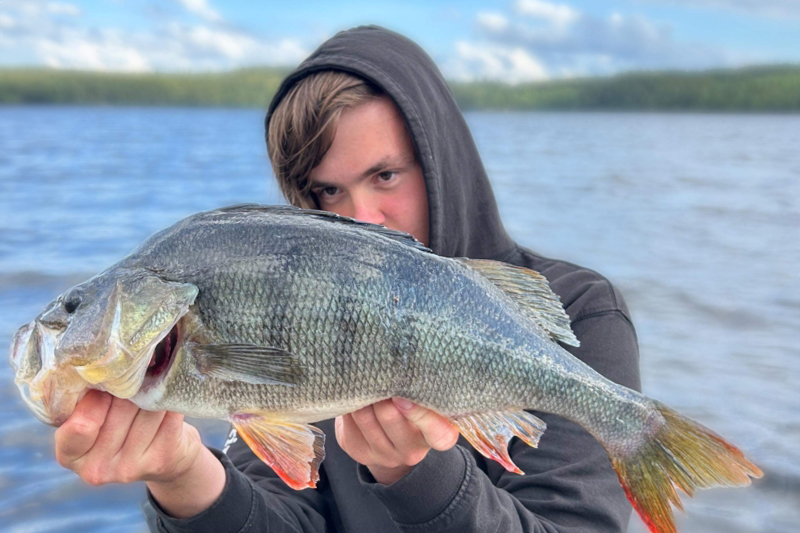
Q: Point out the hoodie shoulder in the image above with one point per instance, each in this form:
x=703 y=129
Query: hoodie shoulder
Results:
x=583 y=292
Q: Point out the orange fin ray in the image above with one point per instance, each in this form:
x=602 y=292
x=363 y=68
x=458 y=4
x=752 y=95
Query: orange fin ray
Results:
x=489 y=433
x=681 y=453
x=293 y=451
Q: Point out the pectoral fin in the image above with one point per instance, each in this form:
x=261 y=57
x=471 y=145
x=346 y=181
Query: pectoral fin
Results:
x=260 y=365
x=490 y=433
x=293 y=451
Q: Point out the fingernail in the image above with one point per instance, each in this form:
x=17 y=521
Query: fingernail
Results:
x=402 y=403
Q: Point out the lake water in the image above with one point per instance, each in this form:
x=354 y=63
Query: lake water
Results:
x=695 y=217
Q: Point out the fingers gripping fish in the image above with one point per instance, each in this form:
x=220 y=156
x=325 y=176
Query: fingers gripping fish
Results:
x=276 y=317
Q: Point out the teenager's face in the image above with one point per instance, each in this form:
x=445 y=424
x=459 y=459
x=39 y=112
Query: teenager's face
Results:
x=371 y=172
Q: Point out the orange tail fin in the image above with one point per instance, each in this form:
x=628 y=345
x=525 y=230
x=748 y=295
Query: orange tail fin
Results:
x=682 y=453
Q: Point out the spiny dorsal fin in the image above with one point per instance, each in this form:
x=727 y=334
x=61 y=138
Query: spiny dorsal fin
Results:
x=248 y=363
x=398 y=236
x=531 y=292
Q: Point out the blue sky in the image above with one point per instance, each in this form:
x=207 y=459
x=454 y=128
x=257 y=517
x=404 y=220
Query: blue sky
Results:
x=509 y=40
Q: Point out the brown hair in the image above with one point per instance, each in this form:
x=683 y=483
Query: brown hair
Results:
x=302 y=128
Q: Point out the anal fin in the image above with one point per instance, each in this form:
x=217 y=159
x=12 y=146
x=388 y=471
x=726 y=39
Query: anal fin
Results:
x=293 y=451
x=490 y=433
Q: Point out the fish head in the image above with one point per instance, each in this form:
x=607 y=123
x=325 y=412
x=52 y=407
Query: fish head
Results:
x=101 y=334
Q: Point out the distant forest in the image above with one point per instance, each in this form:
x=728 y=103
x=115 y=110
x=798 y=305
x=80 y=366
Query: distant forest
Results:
x=764 y=88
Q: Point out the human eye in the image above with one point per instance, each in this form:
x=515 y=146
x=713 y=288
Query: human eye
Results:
x=328 y=191
x=387 y=176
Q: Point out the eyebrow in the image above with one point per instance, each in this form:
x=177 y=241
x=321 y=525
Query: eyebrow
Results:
x=386 y=162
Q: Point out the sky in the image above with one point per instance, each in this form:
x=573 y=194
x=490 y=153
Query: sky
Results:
x=506 y=40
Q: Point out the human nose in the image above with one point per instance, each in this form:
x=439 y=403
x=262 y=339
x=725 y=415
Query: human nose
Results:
x=367 y=209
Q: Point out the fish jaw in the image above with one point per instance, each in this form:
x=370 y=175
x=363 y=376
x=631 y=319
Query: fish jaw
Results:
x=50 y=392
x=62 y=391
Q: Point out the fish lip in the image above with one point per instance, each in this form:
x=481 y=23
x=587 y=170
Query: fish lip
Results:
x=19 y=344
x=19 y=347
x=37 y=407
x=46 y=390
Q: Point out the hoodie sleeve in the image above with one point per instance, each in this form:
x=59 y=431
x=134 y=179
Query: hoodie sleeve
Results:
x=254 y=500
x=569 y=485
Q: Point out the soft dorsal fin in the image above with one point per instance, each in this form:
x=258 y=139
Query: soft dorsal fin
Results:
x=531 y=292
x=398 y=236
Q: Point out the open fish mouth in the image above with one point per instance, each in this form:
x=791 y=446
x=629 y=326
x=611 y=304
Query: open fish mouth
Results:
x=162 y=358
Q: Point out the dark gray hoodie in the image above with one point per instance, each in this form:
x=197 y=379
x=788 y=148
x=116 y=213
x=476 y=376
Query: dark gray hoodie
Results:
x=569 y=484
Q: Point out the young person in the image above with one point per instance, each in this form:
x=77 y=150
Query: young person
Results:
x=366 y=127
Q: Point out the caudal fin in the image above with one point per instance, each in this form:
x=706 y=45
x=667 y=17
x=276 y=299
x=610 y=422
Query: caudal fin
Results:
x=682 y=453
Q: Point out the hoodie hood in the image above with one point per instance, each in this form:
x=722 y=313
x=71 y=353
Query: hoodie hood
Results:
x=464 y=220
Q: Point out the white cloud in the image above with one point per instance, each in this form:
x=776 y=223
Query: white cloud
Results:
x=201 y=8
x=6 y=22
x=76 y=52
x=221 y=45
x=60 y=8
x=231 y=46
x=557 y=40
x=36 y=31
x=477 y=62
x=492 y=21
x=557 y=14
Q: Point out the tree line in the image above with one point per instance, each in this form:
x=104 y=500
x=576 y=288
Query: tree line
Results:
x=763 y=88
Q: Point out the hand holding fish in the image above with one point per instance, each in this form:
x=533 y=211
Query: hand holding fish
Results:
x=391 y=436
x=111 y=440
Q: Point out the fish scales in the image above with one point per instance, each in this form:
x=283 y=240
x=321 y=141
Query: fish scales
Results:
x=325 y=304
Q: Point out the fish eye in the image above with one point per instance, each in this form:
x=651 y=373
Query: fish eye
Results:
x=71 y=302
